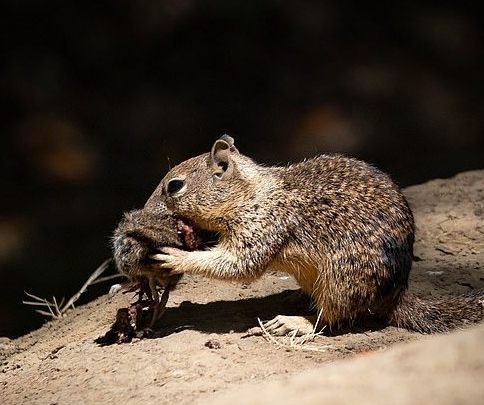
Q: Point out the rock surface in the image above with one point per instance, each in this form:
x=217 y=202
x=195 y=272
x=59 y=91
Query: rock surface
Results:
x=60 y=363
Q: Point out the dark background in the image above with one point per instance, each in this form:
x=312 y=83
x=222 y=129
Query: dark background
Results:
x=98 y=97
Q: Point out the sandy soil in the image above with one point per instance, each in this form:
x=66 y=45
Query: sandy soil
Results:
x=61 y=364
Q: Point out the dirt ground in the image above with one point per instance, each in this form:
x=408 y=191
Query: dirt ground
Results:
x=199 y=353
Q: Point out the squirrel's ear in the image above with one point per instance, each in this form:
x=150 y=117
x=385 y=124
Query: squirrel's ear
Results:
x=221 y=157
x=230 y=141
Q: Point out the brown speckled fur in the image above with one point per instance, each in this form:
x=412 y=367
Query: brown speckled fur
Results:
x=140 y=233
x=341 y=227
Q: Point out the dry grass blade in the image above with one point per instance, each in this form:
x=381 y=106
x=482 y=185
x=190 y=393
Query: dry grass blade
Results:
x=58 y=310
x=54 y=310
x=107 y=278
x=37 y=299
x=100 y=270
x=268 y=336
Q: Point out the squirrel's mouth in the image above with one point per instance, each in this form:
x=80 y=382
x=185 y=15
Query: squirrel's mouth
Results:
x=191 y=238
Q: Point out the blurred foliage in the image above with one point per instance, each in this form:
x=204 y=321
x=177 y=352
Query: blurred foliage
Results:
x=98 y=98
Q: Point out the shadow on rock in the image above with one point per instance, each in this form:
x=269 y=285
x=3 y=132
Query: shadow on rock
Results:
x=241 y=315
x=231 y=316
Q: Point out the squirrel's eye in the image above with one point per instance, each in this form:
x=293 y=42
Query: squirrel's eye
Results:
x=174 y=185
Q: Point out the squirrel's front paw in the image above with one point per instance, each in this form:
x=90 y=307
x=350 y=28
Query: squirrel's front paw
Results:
x=170 y=259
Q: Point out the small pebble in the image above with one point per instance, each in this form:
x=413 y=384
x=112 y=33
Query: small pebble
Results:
x=115 y=288
x=213 y=344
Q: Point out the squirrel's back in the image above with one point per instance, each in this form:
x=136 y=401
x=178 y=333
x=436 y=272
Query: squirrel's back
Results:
x=351 y=246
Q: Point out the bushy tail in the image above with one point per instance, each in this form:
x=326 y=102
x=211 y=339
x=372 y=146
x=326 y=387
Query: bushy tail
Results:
x=432 y=315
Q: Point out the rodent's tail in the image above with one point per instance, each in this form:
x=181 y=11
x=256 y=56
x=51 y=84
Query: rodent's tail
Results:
x=432 y=315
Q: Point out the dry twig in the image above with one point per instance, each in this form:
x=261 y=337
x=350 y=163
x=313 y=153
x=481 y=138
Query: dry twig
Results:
x=57 y=310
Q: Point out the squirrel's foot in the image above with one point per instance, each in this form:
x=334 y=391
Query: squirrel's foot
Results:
x=290 y=325
x=170 y=259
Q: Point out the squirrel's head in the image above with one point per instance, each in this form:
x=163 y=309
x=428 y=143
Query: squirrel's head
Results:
x=208 y=189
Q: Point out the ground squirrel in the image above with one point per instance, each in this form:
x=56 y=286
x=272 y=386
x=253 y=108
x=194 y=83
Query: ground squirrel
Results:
x=340 y=226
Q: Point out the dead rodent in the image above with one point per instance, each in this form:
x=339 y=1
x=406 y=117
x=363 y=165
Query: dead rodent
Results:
x=142 y=233
x=340 y=226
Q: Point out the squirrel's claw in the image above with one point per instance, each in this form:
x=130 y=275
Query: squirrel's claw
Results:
x=167 y=255
x=169 y=259
x=172 y=251
x=162 y=261
x=160 y=257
